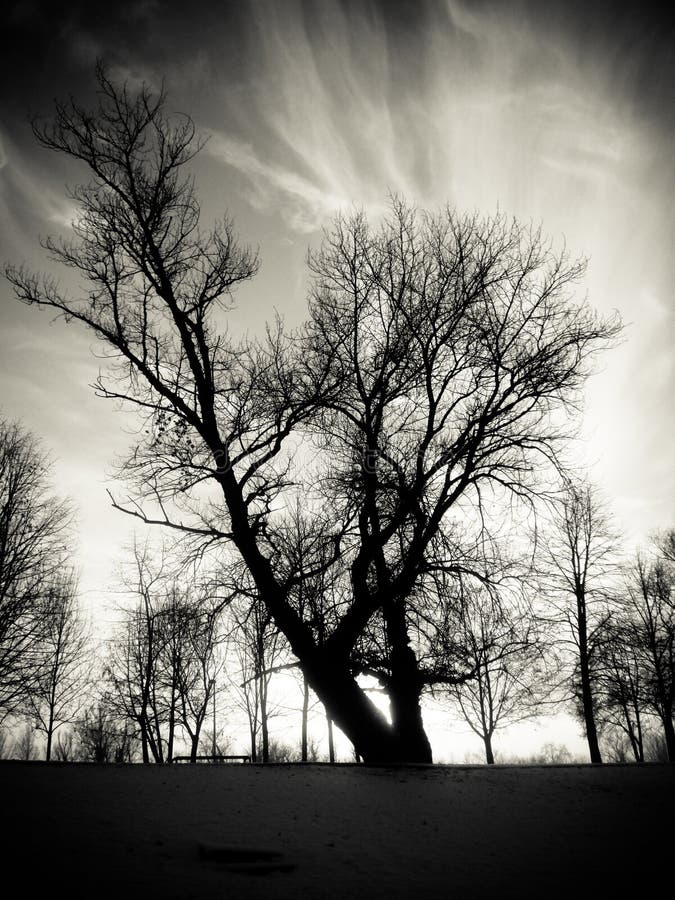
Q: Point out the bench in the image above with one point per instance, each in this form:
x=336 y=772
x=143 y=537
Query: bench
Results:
x=210 y=758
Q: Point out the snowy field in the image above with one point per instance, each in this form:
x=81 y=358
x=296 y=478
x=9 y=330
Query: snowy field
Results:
x=240 y=831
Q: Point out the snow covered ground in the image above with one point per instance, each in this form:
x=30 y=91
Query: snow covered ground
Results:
x=240 y=831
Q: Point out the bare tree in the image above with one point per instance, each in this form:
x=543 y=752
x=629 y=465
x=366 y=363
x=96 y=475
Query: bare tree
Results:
x=5 y=742
x=580 y=558
x=259 y=650
x=196 y=667
x=56 y=689
x=165 y=661
x=24 y=743
x=437 y=355
x=505 y=655
x=651 y=591
x=134 y=670
x=34 y=533
x=620 y=685
x=65 y=748
x=103 y=737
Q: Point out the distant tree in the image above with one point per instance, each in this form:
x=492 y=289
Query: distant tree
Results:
x=194 y=663
x=620 y=686
x=651 y=604
x=34 y=536
x=219 y=744
x=579 y=560
x=166 y=660
x=5 y=742
x=280 y=751
x=25 y=745
x=259 y=650
x=656 y=749
x=133 y=670
x=65 y=748
x=56 y=689
x=553 y=755
x=439 y=357
x=504 y=653
x=103 y=737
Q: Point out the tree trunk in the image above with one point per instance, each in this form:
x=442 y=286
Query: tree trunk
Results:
x=489 y=755
x=669 y=733
x=305 y=709
x=172 y=724
x=50 y=732
x=52 y=708
x=331 y=742
x=145 y=756
x=406 y=712
x=264 y=730
x=347 y=704
x=586 y=688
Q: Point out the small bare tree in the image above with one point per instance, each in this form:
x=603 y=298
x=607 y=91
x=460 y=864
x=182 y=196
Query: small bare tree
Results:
x=24 y=743
x=505 y=655
x=579 y=559
x=65 y=748
x=133 y=670
x=103 y=737
x=34 y=537
x=197 y=667
x=620 y=685
x=57 y=687
x=651 y=592
x=259 y=650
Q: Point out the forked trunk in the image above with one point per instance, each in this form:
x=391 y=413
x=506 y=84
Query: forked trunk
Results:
x=374 y=739
x=330 y=677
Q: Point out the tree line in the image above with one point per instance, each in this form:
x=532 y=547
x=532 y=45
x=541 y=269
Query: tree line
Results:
x=578 y=628
x=352 y=477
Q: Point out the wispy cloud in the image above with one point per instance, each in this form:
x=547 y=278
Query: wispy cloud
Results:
x=305 y=204
x=27 y=194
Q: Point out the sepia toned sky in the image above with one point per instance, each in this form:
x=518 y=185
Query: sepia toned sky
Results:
x=563 y=114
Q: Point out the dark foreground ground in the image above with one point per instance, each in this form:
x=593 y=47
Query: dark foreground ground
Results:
x=306 y=832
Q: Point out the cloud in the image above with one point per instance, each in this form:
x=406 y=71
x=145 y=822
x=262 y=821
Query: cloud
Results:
x=29 y=201
x=304 y=203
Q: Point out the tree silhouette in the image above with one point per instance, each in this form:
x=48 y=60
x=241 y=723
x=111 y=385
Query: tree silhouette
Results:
x=57 y=686
x=438 y=357
x=620 y=682
x=579 y=558
x=651 y=599
x=103 y=737
x=34 y=533
x=191 y=660
x=505 y=656
x=258 y=649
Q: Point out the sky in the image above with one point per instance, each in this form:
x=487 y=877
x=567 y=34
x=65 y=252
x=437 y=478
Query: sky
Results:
x=559 y=113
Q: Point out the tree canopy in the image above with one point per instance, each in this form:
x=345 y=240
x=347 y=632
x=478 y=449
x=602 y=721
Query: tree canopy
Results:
x=439 y=358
